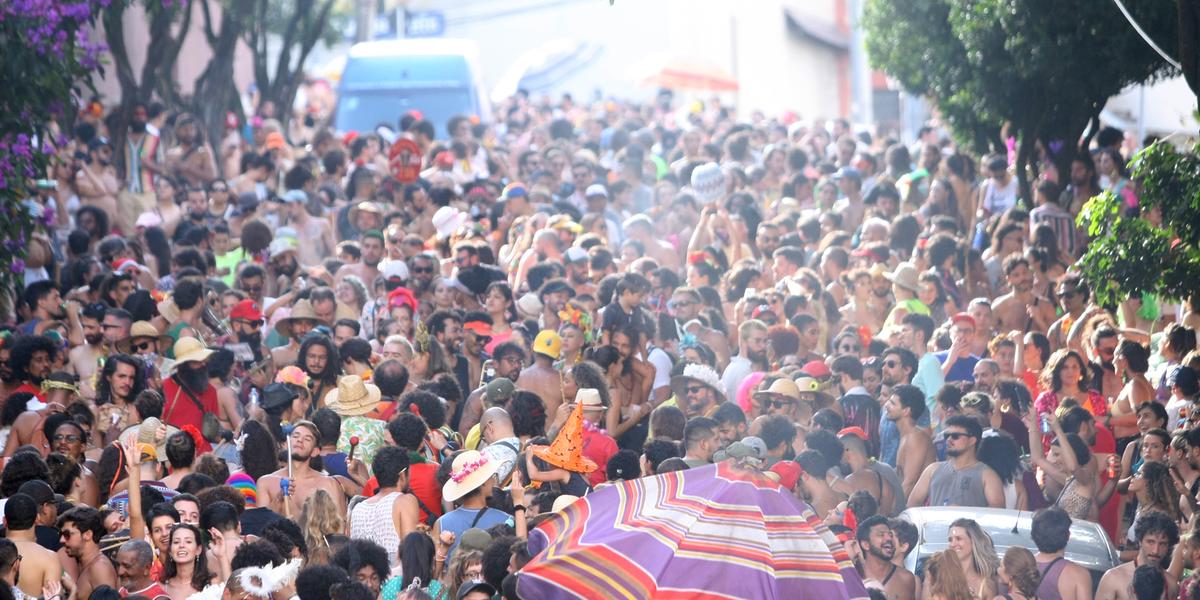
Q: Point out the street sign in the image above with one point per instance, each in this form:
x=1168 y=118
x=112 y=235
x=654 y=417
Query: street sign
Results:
x=430 y=23
x=404 y=160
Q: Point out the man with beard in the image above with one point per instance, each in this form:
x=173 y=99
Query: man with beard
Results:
x=119 y=383
x=305 y=444
x=1084 y=183
x=246 y=321
x=283 y=266
x=422 y=269
x=751 y=357
x=195 y=215
x=577 y=270
x=252 y=281
x=190 y=160
x=1156 y=534
x=697 y=390
x=1021 y=309
x=865 y=474
x=961 y=479
x=554 y=295
x=509 y=359
x=45 y=304
x=446 y=328
x=371 y=243
x=81 y=529
x=904 y=408
x=1103 y=376
x=878 y=546
x=685 y=305
x=187 y=394
x=85 y=359
x=302 y=320
x=31 y=358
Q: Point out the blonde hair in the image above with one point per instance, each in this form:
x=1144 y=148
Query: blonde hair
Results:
x=1021 y=568
x=457 y=572
x=946 y=577
x=983 y=553
x=320 y=517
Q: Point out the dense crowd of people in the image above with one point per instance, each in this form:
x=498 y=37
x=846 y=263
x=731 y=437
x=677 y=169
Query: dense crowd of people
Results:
x=265 y=366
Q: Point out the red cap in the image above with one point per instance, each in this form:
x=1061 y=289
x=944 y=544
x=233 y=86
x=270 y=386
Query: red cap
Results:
x=125 y=264
x=246 y=310
x=402 y=296
x=965 y=318
x=854 y=431
x=478 y=328
x=789 y=473
x=816 y=369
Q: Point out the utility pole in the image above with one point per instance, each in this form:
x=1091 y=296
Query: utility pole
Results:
x=364 y=20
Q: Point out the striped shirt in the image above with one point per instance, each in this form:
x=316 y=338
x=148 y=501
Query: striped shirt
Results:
x=141 y=180
x=1061 y=222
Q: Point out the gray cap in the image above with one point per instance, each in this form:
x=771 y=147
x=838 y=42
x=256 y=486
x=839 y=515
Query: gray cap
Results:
x=474 y=539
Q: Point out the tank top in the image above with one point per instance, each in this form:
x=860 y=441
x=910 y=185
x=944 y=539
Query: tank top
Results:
x=1051 y=571
x=954 y=487
x=373 y=521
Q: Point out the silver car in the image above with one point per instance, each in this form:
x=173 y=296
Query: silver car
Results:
x=1088 y=547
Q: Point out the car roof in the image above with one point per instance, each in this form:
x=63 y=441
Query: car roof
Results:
x=1088 y=547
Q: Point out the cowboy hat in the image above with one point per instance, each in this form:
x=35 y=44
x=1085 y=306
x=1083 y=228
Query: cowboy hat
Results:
x=700 y=373
x=566 y=452
x=141 y=330
x=190 y=349
x=905 y=276
x=302 y=310
x=470 y=470
x=353 y=397
x=808 y=385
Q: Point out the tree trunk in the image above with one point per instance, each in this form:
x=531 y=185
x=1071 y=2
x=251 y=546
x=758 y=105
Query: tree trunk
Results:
x=216 y=91
x=1189 y=42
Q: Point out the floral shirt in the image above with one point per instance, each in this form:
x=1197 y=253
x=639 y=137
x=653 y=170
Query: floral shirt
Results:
x=371 y=435
x=1048 y=401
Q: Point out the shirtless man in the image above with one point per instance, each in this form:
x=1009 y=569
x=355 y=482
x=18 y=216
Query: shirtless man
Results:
x=96 y=181
x=878 y=546
x=39 y=566
x=541 y=377
x=905 y=405
x=306 y=443
x=190 y=160
x=816 y=490
x=317 y=235
x=367 y=270
x=81 y=529
x=865 y=476
x=1156 y=533
x=85 y=358
x=1021 y=309
x=1060 y=577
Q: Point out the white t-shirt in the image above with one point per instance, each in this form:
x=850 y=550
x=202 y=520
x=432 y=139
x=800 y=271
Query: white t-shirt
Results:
x=662 y=369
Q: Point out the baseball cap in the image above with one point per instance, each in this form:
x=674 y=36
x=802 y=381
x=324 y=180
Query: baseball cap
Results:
x=848 y=173
x=854 y=431
x=37 y=489
x=576 y=254
x=549 y=343
x=817 y=369
x=964 y=318
x=246 y=310
x=475 y=586
x=789 y=473
x=297 y=196
x=596 y=189
x=498 y=390
x=393 y=268
x=515 y=189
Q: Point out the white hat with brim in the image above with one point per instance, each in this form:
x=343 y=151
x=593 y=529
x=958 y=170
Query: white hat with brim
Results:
x=447 y=220
x=590 y=399
x=353 y=397
x=280 y=246
x=702 y=374
x=471 y=470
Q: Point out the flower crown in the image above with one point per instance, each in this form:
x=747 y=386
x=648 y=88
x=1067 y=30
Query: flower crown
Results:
x=293 y=375
x=701 y=257
x=467 y=469
x=573 y=315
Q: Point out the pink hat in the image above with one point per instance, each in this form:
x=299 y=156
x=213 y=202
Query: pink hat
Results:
x=747 y=387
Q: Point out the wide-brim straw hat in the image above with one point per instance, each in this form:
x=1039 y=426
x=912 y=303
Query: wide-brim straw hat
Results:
x=353 y=397
x=470 y=470
x=302 y=310
x=141 y=330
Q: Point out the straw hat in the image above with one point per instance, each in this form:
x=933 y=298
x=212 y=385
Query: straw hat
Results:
x=302 y=310
x=562 y=502
x=168 y=310
x=470 y=470
x=783 y=386
x=905 y=276
x=367 y=206
x=190 y=349
x=589 y=399
x=280 y=246
x=353 y=397
x=699 y=373
x=566 y=452
x=146 y=432
x=141 y=330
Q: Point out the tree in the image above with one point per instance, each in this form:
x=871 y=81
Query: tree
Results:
x=1157 y=250
x=1038 y=71
x=48 y=63
x=299 y=24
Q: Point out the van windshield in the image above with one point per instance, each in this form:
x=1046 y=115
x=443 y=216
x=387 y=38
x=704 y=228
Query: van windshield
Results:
x=363 y=110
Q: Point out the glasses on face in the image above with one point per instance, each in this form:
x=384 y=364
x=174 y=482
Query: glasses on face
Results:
x=891 y=364
x=252 y=289
x=219 y=190
x=673 y=304
x=141 y=347
x=954 y=435
x=784 y=403
x=695 y=389
x=422 y=269
x=254 y=323
x=66 y=437
x=850 y=348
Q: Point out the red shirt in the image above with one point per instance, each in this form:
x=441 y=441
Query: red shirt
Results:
x=154 y=591
x=599 y=447
x=180 y=409
x=29 y=387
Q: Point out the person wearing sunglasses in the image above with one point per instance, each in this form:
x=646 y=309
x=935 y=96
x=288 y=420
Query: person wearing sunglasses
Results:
x=1073 y=295
x=961 y=479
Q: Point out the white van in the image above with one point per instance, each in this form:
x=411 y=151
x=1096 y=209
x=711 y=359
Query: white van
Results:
x=383 y=80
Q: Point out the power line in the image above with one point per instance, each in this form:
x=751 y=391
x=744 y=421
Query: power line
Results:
x=1145 y=37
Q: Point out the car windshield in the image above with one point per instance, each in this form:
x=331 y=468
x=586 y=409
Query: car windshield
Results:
x=364 y=110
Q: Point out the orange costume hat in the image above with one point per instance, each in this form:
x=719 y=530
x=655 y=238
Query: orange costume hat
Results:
x=566 y=452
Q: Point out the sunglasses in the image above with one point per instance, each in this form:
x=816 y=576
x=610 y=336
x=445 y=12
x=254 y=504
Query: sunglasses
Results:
x=954 y=435
x=891 y=364
x=58 y=437
x=695 y=389
x=781 y=403
x=253 y=289
x=142 y=346
x=422 y=269
x=1068 y=293
x=254 y=323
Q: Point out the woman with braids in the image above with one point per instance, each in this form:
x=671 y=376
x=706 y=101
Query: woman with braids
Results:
x=318 y=357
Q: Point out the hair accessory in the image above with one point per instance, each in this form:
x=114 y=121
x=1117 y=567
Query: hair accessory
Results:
x=293 y=375
x=240 y=442
x=583 y=320
x=50 y=384
x=262 y=582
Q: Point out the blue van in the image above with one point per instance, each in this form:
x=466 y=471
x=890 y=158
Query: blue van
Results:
x=383 y=80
